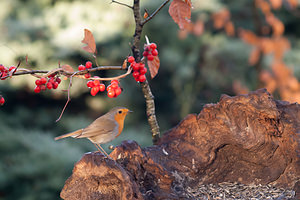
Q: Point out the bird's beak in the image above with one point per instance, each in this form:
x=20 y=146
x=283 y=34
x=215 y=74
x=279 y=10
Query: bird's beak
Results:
x=130 y=111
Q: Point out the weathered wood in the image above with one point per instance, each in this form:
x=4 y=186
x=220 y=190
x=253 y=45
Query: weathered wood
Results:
x=250 y=139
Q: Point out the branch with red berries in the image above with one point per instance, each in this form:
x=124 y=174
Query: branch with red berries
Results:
x=48 y=80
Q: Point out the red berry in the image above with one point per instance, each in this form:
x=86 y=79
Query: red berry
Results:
x=43 y=80
x=150 y=57
x=136 y=74
x=38 y=82
x=142 y=78
x=154 y=52
x=37 y=89
x=58 y=80
x=49 y=85
x=81 y=67
x=114 y=86
x=2 y=101
x=142 y=65
x=4 y=74
x=146 y=48
x=52 y=75
x=136 y=67
x=109 y=87
x=130 y=59
x=118 y=91
x=153 y=46
x=51 y=80
x=114 y=82
x=11 y=68
x=55 y=85
x=143 y=71
x=111 y=93
x=90 y=84
x=87 y=75
x=94 y=90
x=88 y=64
x=101 y=87
x=96 y=82
x=43 y=87
x=145 y=53
x=1 y=67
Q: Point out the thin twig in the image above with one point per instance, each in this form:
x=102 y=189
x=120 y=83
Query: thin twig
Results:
x=155 y=12
x=123 y=4
x=69 y=98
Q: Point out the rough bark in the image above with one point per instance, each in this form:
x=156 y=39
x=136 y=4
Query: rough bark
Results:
x=250 y=139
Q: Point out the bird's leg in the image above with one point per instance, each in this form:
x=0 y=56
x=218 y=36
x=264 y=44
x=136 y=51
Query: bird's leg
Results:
x=102 y=150
x=99 y=149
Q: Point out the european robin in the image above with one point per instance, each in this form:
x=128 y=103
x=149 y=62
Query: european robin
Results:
x=103 y=130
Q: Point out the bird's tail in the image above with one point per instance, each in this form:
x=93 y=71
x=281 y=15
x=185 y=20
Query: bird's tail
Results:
x=73 y=134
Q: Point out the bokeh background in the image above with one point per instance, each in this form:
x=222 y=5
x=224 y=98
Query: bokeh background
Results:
x=195 y=70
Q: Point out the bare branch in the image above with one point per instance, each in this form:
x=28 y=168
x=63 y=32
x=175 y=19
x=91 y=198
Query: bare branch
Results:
x=69 y=98
x=23 y=71
x=123 y=4
x=150 y=105
x=155 y=12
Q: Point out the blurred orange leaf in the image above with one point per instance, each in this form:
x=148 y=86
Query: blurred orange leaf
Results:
x=248 y=37
x=264 y=6
x=153 y=66
x=229 y=28
x=90 y=41
x=277 y=25
x=276 y=4
x=293 y=3
x=198 y=28
x=220 y=18
x=254 y=56
x=180 y=11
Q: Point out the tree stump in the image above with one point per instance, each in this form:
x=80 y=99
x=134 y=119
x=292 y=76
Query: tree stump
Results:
x=249 y=139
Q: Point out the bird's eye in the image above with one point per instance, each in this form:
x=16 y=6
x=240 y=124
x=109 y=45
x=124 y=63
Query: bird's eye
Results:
x=120 y=111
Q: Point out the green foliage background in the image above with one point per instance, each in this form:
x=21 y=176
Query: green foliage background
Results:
x=194 y=71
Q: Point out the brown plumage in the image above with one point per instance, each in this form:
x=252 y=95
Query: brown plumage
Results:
x=103 y=130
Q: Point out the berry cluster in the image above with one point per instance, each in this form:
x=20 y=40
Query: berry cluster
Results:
x=95 y=86
x=4 y=71
x=2 y=100
x=139 y=69
x=43 y=83
x=88 y=65
x=150 y=51
x=114 y=89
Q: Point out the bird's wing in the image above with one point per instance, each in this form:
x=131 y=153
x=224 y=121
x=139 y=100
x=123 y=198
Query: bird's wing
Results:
x=100 y=126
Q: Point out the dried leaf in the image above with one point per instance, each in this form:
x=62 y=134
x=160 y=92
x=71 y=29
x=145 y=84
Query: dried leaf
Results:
x=153 y=66
x=189 y=2
x=180 y=11
x=146 y=14
x=124 y=66
x=67 y=68
x=90 y=41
